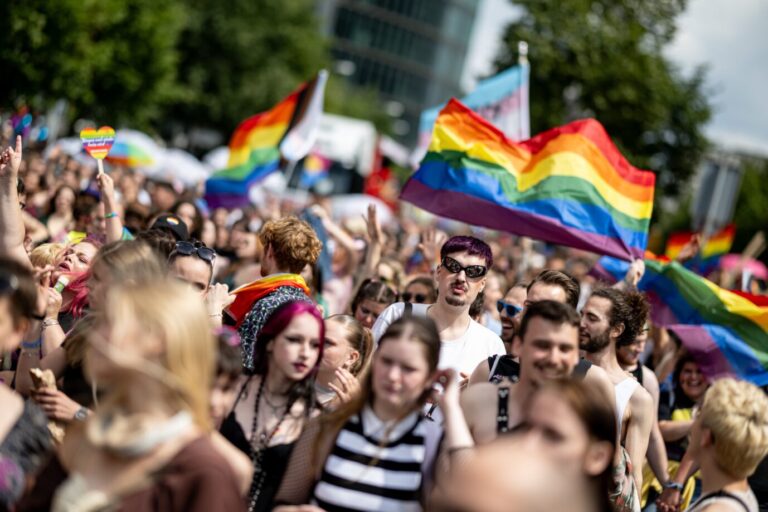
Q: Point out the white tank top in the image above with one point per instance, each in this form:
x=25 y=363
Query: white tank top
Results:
x=623 y=391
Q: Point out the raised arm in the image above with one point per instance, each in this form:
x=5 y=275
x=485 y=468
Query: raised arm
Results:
x=11 y=223
x=657 y=451
x=639 y=432
x=375 y=245
x=114 y=223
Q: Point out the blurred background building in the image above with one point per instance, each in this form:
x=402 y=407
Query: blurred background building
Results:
x=412 y=52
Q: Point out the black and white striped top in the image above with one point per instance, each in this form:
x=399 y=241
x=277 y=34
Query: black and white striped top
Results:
x=362 y=473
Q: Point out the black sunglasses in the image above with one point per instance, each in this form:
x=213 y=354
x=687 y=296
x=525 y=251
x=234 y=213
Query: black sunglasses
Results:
x=472 y=271
x=191 y=249
x=418 y=298
x=510 y=309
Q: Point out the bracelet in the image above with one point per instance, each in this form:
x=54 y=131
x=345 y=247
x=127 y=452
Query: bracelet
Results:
x=49 y=322
x=674 y=485
x=31 y=345
x=111 y=215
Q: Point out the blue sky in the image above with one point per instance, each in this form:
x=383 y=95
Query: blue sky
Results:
x=729 y=36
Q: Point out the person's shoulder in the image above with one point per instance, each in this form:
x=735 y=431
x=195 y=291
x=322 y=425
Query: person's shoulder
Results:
x=478 y=393
x=484 y=333
x=641 y=399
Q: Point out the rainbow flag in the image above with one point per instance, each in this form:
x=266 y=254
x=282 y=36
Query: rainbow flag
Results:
x=247 y=294
x=254 y=149
x=569 y=185
x=720 y=243
x=726 y=332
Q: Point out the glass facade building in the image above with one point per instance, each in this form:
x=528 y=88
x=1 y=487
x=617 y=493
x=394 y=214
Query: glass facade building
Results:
x=411 y=51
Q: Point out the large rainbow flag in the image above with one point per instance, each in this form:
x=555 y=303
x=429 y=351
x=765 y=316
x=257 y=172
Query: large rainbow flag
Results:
x=569 y=185
x=726 y=331
x=254 y=149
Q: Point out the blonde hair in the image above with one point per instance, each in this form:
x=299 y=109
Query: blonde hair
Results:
x=172 y=313
x=46 y=254
x=293 y=241
x=359 y=338
x=737 y=414
x=130 y=260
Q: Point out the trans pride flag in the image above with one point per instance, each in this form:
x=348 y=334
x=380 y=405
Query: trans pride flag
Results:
x=569 y=185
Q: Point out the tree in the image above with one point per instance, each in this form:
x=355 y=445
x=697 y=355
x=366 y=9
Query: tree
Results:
x=603 y=59
x=113 y=60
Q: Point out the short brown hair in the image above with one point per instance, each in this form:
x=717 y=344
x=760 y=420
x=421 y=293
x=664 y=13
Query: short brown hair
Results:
x=293 y=242
x=550 y=310
x=564 y=281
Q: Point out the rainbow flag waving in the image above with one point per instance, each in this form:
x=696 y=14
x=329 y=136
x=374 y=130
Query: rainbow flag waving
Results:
x=569 y=185
x=247 y=294
x=254 y=149
x=708 y=258
x=726 y=332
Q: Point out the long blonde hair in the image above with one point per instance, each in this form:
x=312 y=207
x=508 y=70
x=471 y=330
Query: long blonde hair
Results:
x=173 y=314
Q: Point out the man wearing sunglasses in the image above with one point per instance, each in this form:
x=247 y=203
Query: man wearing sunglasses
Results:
x=192 y=262
x=460 y=277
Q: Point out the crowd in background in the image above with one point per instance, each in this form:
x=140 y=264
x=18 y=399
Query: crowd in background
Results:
x=365 y=366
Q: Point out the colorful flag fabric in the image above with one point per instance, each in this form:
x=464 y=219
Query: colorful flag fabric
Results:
x=315 y=168
x=501 y=99
x=301 y=137
x=569 y=185
x=708 y=258
x=247 y=294
x=254 y=149
x=726 y=332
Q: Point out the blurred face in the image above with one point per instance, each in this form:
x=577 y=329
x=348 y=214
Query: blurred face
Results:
x=98 y=284
x=65 y=200
x=544 y=291
x=98 y=221
x=186 y=212
x=459 y=290
x=692 y=381
x=368 y=311
x=400 y=375
x=208 y=236
x=223 y=398
x=553 y=429
x=10 y=335
x=493 y=293
x=510 y=324
x=244 y=243
x=417 y=293
x=629 y=355
x=386 y=273
x=549 y=350
x=294 y=352
x=193 y=271
x=75 y=260
x=162 y=197
x=595 y=333
x=337 y=352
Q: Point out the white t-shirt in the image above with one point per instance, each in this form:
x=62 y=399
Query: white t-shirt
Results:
x=477 y=344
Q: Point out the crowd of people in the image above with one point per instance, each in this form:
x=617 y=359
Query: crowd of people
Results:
x=159 y=355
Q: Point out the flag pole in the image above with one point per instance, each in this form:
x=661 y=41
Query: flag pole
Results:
x=524 y=123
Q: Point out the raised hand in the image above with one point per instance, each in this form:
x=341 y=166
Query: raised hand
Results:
x=348 y=386
x=10 y=160
x=375 y=233
x=635 y=273
x=430 y=245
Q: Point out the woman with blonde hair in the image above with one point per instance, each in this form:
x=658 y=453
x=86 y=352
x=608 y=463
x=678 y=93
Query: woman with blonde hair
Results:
x=346 y=355
x=147 y=446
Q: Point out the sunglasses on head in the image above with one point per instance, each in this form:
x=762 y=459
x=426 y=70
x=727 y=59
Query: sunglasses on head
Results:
x=191 y=249
x=510 y=309
x=418 y=298
x=472 y=271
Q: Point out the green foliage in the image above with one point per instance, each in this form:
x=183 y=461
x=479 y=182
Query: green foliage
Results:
x=114 y=60
x=751 y=213
x=603 y=59
x=241 y=57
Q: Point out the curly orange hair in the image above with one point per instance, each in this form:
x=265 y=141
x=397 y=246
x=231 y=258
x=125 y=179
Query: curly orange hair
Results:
x=293 y=242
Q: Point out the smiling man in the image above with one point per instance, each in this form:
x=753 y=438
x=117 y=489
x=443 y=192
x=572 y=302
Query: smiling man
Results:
x=465 y=261
x=548 y=344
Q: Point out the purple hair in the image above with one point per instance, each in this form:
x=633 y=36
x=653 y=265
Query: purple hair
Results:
x=277 y=323
x=469 y=244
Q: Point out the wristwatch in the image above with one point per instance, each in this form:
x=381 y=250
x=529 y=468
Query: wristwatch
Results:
x=673 y=485
x=81 y=414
